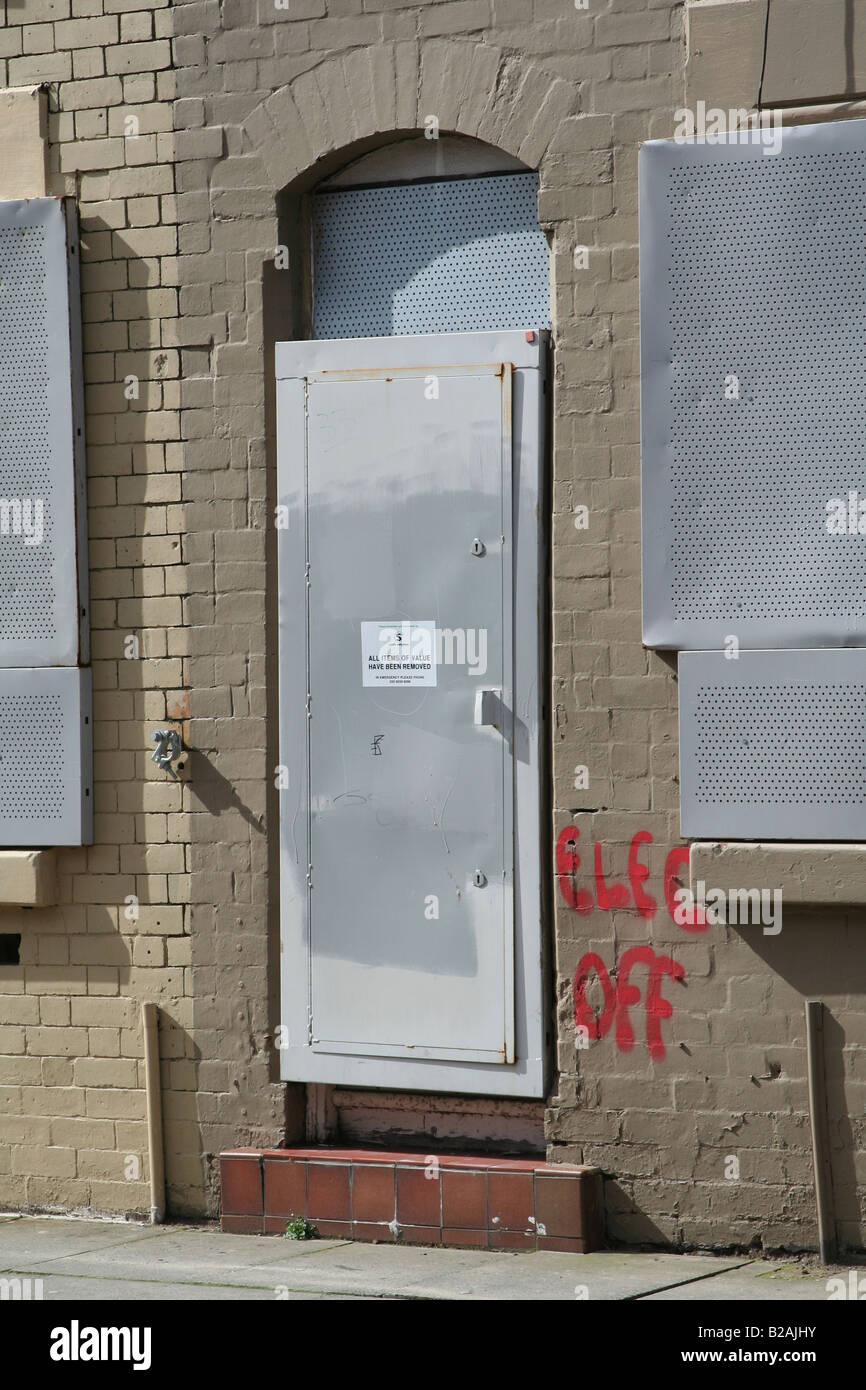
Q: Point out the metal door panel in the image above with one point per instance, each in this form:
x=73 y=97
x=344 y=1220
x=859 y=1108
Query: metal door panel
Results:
x=408 y=792
x=395 y=795
x=309 y=358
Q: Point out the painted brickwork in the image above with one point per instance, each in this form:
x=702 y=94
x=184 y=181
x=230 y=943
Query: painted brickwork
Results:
x=181 y=225
x=72 y=1132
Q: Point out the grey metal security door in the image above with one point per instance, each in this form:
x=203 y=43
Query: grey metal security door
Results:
x=403 y=954
x=409 y=818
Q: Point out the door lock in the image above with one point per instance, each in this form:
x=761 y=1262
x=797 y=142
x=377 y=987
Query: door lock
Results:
x=478 y=547
x=480 y=879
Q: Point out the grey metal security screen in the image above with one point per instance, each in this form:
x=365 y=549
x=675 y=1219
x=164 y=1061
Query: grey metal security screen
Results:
x=773 y=745
x=409 y=710
x=46 y=790
x=753 y=382
x=451 y=255
x=43 y=575
x=45 y=698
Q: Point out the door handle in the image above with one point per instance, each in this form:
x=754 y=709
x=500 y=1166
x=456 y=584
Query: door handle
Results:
x=487 y=707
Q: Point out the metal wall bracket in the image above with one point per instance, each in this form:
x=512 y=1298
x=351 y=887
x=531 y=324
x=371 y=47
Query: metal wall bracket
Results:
x=169 y=749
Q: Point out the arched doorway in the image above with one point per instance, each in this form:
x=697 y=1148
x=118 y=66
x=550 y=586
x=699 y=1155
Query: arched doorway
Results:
x=411 y=481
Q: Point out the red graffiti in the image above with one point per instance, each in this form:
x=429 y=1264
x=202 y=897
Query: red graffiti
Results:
x=693 y=919
x=567 y=865
x=657 y=1007
x=584 y=1015
x=617 y=896
x=638 y=874
x=620 y=998
x=610 y=895
x=622 y=994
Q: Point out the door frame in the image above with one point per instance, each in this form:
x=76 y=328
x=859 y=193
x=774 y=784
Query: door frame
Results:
x=527 y=352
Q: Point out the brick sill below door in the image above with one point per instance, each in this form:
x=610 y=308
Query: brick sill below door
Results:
x=446 y=1199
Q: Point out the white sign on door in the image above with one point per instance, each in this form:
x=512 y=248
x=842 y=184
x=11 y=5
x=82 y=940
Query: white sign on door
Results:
x=398 y=653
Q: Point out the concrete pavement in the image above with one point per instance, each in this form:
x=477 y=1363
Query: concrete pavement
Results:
x=83 y=1260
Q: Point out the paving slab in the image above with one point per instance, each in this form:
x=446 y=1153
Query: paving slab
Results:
x=35 y=1238
x=90 y=1260
x=73 y=1289
x=265 y=1263
x=601 y=1277
x=50 y=1237
x=759 y=1281
x=424 y=1272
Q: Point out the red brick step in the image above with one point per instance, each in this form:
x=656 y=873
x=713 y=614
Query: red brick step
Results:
x=433 y=1199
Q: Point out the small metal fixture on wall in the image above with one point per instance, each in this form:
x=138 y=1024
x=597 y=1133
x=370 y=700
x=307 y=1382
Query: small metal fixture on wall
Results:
x=169 y=751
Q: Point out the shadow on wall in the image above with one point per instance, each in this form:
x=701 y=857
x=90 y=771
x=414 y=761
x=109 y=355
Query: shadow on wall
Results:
x=821 y=956
x=850 y=85
x=846 y=1204
x=216 y=792
x=817 y=955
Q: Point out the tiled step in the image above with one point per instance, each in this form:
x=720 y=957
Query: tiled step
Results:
x=434 y=1199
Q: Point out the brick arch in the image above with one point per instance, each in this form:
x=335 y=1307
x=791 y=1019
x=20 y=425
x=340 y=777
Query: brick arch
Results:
x=348 y=104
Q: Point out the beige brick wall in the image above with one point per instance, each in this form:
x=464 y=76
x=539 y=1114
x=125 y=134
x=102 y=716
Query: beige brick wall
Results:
x=72 y=1131
x=572 y=92
x=180 y=224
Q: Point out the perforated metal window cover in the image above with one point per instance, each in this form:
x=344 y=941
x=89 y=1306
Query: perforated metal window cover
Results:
x=773 y=745
x=43 y=579
x=752 y=268
x=450 y=256
x=46 y=794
